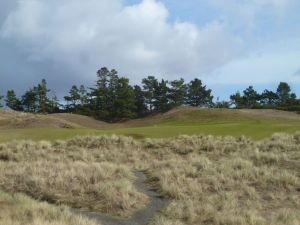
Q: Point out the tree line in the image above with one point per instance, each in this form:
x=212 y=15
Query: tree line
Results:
x=113 y=98
x=283 y=98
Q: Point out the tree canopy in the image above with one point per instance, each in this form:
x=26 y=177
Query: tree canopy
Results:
x=113 y=98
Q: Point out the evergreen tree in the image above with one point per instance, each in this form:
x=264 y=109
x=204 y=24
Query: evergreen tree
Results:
x=140 y=104
x=73 y=98
x=12 y=101
x=178 y=92
x=113 y=85
x=124 y=104
x=1 y=97
x=150 y=84
x=83 y=95
x=251 y=97
x=222 y=104
x=284 y=94
x=113 y=97
x=100 y=94
x=42 y=96
x=161 y=93
x=198 y=95
x=29 y=100
x=269 y=98
x=237 y=100
x=54 y=105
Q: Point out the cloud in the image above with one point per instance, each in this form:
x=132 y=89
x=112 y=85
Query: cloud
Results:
x=253 y=14
x=297 y=73
x=67 y=41
x=260 y=69
x=79 y=37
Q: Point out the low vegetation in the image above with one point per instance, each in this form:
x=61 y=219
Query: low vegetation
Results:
x=52 y=174
x=22 y=210
x=255 y=124
x=209 y=180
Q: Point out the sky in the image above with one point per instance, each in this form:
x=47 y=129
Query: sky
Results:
x=229 y=44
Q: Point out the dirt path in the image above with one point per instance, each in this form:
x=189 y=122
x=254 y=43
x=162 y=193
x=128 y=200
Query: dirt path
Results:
x=142 y=216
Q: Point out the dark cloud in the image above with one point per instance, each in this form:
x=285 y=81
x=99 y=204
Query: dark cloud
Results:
x=6 y=7
x=67 y=41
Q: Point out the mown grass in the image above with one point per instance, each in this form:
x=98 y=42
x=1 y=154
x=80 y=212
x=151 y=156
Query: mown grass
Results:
x=209 y=180
x=256 y=130
x=180 y=121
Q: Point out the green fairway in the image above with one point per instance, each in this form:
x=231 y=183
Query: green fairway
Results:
x=256 y=124
x=257 y=130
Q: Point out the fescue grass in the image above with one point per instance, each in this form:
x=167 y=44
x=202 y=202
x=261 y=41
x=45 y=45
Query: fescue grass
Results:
x=22 y=210
x=101 y=187
x=209 y=180
x=68 y=175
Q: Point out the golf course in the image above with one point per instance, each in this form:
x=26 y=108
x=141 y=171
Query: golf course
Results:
x=255 y=124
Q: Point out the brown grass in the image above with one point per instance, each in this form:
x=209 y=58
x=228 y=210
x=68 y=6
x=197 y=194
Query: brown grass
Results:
x=21 y=210
x=210 y=180
x=10 y=119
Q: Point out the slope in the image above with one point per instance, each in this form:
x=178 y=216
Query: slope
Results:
x=256 y=124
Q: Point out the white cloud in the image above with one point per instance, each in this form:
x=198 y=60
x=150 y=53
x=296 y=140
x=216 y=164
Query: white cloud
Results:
x=254 y=6
x=67 y=41
x=260 y=69
x=297 y=73
x=136 y=39
x=244 y=14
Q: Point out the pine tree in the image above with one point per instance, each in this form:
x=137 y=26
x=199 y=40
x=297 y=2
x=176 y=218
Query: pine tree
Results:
x=100 y=94
x=237 y=100
x=124 y=105
x=251 y=97
x=150 y=84
x=284 y=94
x=178 y=92
x=269 y=98
x=73 y=98
x=141 y=107
x=1 y=97
x=54 y=105
x=29 y=100
x=222 y=104
x=12 y=101
x=83 y=95
x=113 y=85
x=198 y=95
x=161 y=94
x=42 y=96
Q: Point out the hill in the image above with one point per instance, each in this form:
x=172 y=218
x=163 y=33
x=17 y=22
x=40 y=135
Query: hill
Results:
x=10 y=119
x=193 y=116
x=256 y=124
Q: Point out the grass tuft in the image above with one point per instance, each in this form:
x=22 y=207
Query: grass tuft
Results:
x=209 y=180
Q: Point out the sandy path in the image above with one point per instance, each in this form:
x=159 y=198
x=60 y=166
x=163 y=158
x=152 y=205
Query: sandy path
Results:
x=142 y=216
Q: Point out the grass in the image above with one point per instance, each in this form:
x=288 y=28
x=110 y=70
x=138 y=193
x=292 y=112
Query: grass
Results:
x=189 y=121
x=255 y=130
x=22 y=210
x=104 y=187
x=209 y=180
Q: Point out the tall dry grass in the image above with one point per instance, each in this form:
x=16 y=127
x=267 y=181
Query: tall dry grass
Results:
x=210 y=180
x=21 y=210
x=101 y=187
